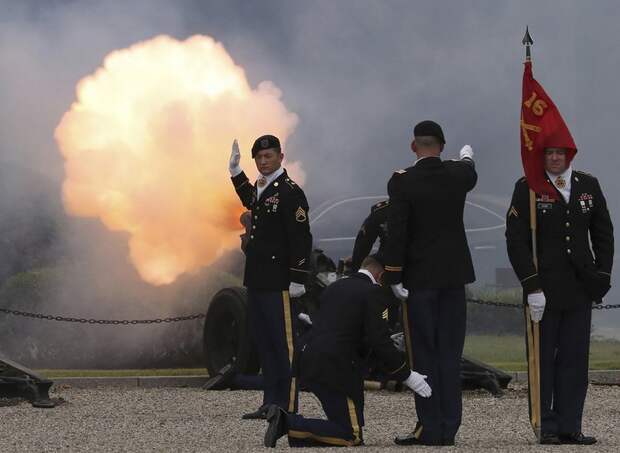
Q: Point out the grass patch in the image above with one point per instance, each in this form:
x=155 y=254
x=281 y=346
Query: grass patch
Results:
x=124 y=373
x=508 y=352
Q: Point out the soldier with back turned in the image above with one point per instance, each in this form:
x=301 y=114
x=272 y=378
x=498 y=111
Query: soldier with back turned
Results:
x=428 y=263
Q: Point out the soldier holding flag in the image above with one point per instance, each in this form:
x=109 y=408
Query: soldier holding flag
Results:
x=560 y=243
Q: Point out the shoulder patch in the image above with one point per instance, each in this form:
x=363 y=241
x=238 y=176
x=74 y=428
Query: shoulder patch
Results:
x=300 y=215
x=513 y=212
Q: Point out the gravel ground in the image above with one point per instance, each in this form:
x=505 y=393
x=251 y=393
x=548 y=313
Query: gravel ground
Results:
x=173 y=419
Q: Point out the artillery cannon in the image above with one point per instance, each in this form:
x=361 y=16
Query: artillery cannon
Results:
x=227 y=339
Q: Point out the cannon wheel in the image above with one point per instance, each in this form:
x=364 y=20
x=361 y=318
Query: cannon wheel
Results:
x=226 y=336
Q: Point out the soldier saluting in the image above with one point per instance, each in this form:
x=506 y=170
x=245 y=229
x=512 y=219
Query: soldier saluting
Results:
x=276 y=265
x=428 y=264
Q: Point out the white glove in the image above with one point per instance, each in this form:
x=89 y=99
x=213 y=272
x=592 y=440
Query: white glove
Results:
x=417 y=383
x=235 y=157
x=400 y=292
x=305 y=318
x=399 y=341
x=537 y=303
x=296 y=289
x=466 y=151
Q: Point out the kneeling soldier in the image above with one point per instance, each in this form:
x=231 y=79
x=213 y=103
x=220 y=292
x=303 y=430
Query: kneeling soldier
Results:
x=348 y=324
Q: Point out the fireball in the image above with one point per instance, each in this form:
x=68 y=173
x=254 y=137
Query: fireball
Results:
x=146 y=147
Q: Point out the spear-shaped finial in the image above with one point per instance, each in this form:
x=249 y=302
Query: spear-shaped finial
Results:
x=527 y=42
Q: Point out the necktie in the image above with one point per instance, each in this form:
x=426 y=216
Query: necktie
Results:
x=262 y=181
x=560 y=183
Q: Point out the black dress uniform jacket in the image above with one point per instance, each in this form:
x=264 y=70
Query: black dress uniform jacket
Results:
x=375 y=226
x=569 y=273
x=348 y=326
x=280 y=240
x=427 y=246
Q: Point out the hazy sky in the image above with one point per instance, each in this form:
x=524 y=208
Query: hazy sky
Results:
x=359 y=74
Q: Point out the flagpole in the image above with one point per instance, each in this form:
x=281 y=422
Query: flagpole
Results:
x=533 y=328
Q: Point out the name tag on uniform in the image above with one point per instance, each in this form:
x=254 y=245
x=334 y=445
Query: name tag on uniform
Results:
x=544 y=202
x=543 y=205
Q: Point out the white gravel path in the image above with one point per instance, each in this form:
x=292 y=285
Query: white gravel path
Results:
x=113 y=419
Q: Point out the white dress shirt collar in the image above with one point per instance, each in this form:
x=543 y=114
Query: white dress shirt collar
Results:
x=270 y=178
x=566 y=176
x=369 y=275
x=425 y=157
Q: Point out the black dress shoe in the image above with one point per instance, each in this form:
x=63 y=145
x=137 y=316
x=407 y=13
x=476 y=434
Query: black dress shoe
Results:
x=260 y=414
x=577 y=439
x=411 y=439
x=549 y=439
x=277 y=425
x=222 y=379
x=407 y=439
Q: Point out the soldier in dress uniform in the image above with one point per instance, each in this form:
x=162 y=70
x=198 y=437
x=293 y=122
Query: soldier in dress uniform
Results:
x=276 y=265
x=331 y=362
x=374 y=226
x=575 y=254
x=428 y=264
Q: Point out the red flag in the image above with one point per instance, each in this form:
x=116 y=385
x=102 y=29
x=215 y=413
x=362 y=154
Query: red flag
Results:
x=542 y=127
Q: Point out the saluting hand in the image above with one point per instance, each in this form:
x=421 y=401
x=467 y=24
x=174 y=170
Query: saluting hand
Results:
x=466 y=152
x=235 y=158
x=417 y=383
x=536 y=302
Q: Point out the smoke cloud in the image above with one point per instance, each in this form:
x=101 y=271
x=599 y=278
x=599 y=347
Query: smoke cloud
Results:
x=147 y=143
x=357 y=73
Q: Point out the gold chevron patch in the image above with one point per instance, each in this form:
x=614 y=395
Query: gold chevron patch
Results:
x=300 y=215
x=513 y=212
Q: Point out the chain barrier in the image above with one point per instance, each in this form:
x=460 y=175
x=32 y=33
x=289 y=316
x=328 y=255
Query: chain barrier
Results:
x=506 y=305
x=133 y=322
x=114 y=322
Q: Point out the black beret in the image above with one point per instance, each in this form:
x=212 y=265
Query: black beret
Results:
x=429 y=129
x=265 y=142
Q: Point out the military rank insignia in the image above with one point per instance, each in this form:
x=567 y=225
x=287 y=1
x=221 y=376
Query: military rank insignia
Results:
x=300 y=215
x=513 y=212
